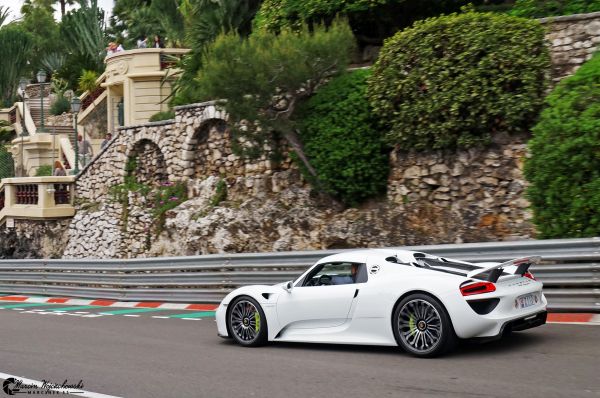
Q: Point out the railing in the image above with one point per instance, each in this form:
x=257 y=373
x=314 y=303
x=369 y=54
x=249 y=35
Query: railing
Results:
x=12 y=115
x=569 y=272
x=26 y=194
x=36 y=198
x=91 y=97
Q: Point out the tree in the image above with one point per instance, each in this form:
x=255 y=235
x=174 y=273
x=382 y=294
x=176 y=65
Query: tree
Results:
x=342 y=140
x=4 y=14
x=564 y=167
x=455 y=80
x=371 y=20
x=84 y=33
x=63 y=6
x=204 y=21
x=264 y=77
x=38 y=20
x=16 y=46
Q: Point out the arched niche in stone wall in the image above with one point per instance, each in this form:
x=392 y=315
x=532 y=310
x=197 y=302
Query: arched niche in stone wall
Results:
x=147 y=163
x=210 y=142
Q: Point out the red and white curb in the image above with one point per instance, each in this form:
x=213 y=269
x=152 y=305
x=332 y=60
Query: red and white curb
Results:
x=110 y=303
x=576 y=319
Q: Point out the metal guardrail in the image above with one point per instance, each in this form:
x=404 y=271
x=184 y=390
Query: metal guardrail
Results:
x=570 y=271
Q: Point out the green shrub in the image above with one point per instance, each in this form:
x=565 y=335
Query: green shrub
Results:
x=371 y=20
x=164 y=115
x=6 y=163
x=546 y=8
x=43 y=171
x=454 y=80
x=564 y=168
x=342 y=141
x=60 y=106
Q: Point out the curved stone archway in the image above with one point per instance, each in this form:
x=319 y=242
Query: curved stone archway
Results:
x=208 y=144
x=146 y=162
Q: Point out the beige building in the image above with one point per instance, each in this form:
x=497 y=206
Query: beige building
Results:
x=135 y=85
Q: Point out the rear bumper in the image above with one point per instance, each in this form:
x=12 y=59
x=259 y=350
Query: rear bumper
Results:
x=524 y=323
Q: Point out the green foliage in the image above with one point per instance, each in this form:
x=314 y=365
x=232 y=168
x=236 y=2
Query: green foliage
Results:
x=38 y=21
x=44 y=171
x=6 y=163
x=220 y=193
x=455 y=80
x=83 y=32
x=564 y=168
x=204 y=21
x=161 y=197
x=132 y=19
x=164 y=115
x=16 y=46
x=546 y=8
x=262 y=78
x=87 y=81
x=371 y=20
x=4 y=14
x=342 y=140
x=60 y=106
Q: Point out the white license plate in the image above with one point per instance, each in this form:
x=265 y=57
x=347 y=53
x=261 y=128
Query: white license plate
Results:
x=527 y=300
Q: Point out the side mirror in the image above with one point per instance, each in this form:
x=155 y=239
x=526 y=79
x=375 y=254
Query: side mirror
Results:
x=288 y=286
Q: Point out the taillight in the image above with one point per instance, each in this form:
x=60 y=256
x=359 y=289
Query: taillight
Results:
x=529 y=275
x=477 y=288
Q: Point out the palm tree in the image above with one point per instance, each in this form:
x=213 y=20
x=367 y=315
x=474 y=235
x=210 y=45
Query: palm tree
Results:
x=63 y=6
x=4 y=14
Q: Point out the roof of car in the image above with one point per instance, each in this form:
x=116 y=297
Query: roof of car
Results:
x=360 y=256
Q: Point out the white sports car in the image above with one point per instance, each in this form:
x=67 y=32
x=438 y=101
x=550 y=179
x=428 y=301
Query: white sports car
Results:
x=418 y=301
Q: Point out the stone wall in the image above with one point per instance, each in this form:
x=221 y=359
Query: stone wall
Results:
x=34 y=239
x=190 y=148
x=438 y=197
x=573 y=39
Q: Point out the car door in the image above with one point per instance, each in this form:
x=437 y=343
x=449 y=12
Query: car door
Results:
x=313 y=304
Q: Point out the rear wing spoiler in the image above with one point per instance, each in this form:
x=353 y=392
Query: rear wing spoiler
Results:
x=522 y=265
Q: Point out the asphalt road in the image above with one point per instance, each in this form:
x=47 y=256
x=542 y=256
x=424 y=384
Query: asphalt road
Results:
x=145 y=356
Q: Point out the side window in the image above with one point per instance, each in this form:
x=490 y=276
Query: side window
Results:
x=339 y=273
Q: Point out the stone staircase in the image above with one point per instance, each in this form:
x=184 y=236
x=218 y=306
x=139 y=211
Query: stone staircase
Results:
x=35 y=109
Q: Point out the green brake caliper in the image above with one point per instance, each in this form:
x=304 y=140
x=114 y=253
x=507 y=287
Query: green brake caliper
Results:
x=412 y=326
x=257 y=321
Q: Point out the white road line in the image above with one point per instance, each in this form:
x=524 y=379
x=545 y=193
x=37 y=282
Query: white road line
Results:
x=18 y=309
x=104 y=313
x=192 y=319
x=161 y=317
x=173 y=306
x=81 y=312
x=133 y=316
x=91 y=316
x=80 y=393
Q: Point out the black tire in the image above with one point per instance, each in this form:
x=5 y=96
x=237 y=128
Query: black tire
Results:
x=246 y=322
x=422 y=326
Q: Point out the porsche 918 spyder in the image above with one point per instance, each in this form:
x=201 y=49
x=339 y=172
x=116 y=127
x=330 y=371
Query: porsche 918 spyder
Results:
x=421 y=302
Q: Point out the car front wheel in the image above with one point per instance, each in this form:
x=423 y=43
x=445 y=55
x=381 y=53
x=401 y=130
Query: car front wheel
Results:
x=422 y=326
x=246 y=322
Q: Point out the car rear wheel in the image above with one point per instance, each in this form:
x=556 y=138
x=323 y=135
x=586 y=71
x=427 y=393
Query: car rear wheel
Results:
x=246 y=322
x=422 y=326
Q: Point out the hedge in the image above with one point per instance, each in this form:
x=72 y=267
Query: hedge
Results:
x=564 y=168
x=342 y=140
x=453 y=81
x=546 y=8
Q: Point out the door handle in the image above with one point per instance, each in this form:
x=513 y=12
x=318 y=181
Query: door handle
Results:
x=355 y=293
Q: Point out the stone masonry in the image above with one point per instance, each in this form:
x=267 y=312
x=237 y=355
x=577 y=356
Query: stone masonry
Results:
x=573 y=39
x=439 y=197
